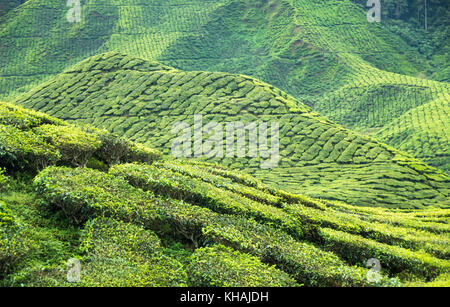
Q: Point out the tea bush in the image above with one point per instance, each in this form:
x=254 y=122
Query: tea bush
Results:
x=103 y=194
x=220 y=266
x=14 y=245
x=75 y=146
x=168 y=183
x=124 y=255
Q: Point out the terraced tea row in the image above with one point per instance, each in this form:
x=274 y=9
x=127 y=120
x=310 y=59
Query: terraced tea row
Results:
x=212 y=195
x=178 y=223
x=195 y=223
x=143 y=101
x=147 y=209
x=30 y=141
x=423 y=131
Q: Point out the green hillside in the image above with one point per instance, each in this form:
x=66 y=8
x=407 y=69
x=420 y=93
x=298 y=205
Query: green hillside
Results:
x=423 y=130
x=132 y=218
x=143 y=100
x=359 y=74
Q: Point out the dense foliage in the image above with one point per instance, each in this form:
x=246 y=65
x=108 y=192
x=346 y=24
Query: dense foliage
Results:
x=143 y=100
x=187 y=223
x=30 y=141
x=85 y=200
x=324 y=53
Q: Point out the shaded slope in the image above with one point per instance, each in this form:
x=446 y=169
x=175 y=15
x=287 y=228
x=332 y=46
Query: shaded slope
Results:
x=143 y=101
x=6 y=6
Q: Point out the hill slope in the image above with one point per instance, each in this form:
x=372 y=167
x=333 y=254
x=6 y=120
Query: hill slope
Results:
x=324 y=53
x=178 y=223
x=144 y=100
x=423 y=130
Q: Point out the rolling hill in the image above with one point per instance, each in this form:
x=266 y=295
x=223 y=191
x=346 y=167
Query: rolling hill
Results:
x=361 y=75
x=143 y=101
x=129 y=217
x=423 y=130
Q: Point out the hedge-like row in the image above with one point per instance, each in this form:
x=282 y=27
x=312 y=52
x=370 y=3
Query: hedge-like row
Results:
x=75 y=146
x=435 y=244
x=221 y=182
x=3 y=179
x=125 y=255
x=25 y=149
x=309 y=220
x=401 y=218
x=196 y=192
x=220 y=266
x=395 y=259
x=250 y=181
x=32 y=140
x=24 y=119
x=306 y=263
x=175 y=185
x=102 y=194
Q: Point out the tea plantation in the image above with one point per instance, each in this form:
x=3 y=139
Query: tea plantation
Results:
x=325 y=53
x=143 y=100
x=225 y=143
x=133 y=218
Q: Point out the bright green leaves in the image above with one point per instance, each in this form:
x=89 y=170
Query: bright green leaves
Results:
x=31 y=141
x=75 y=145
x=220 y=266
x=125 y=255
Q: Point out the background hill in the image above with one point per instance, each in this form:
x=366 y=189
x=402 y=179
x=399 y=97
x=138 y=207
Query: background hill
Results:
x=155 y=222
x=324 y=53
x=143 y=100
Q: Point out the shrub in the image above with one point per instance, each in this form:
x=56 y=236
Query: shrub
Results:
x=79 y=193
x=85 y=193
x=168 y=183
x=221 y=182
x=249 y=181
x=355 y=223
x=3 y=179
x=14 y=245
x=121 y=254
x=140 y=153
x=97 y=165
x=25 y=150
x=303 y=261
x=442 y=281
x=357 y=250
x=113 y=149
x=103 y=194
x=221 y=266
x=75 y=145
x=23 y=119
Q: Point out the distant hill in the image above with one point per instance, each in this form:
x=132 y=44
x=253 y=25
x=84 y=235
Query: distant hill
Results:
x=143 y=100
